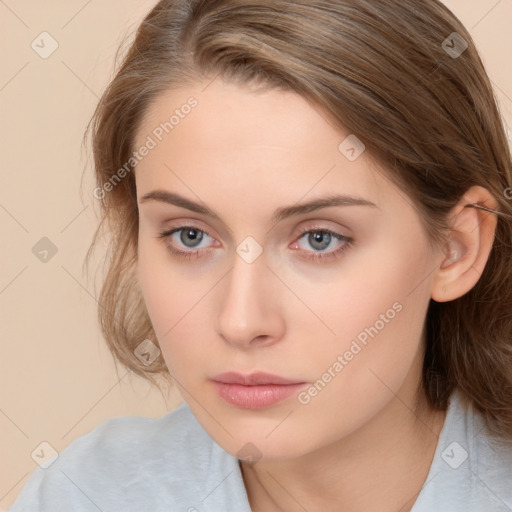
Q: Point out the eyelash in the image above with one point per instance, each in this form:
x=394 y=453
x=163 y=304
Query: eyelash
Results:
x=314 y=256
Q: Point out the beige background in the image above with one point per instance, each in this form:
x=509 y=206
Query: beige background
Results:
x=57 y=379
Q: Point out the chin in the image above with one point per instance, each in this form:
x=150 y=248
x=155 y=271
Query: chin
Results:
x=261 y=439
x=260 y=449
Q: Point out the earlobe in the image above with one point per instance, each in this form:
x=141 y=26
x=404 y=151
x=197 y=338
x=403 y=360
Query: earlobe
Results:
x=468 y=246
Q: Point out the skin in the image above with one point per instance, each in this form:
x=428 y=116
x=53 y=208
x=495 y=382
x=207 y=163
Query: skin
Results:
x=358 y=444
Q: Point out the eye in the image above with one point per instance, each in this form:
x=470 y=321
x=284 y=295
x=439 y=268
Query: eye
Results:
x=191 y=237
x=320 y=239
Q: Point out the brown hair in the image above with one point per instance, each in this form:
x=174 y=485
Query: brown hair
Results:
x=386 y=70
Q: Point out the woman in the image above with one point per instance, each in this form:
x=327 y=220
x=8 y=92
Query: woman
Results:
x=308 y=207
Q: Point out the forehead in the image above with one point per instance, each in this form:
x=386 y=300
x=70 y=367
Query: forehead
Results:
x=240 y=113
x=245 y=140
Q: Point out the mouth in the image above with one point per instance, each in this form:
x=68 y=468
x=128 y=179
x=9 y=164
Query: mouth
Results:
x=256 y=390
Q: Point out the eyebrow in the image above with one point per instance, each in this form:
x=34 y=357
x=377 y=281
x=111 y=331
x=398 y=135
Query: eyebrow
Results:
x=279 y=214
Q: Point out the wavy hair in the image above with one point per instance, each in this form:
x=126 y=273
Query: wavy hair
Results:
x=399 y=76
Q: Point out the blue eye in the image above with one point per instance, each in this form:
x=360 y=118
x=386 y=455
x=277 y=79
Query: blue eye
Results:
x=319 y=239
x=189 y=234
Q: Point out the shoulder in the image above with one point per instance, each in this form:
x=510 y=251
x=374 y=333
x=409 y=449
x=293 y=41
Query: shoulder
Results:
x=125 y=444
x=471 y=469
x=129 y=438
x=490 y=461
x=131 y=463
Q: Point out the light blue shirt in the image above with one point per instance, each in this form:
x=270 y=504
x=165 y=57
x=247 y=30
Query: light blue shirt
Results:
x=172 y=464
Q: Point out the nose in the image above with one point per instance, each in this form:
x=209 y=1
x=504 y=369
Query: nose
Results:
x=250 y=309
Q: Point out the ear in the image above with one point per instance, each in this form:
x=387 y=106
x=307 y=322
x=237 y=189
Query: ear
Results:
x=468 y=247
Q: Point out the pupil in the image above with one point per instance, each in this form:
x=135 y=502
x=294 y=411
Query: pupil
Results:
x=192 y=234
x=318 y=238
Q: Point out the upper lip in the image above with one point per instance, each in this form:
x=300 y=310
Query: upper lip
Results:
x=253 y=379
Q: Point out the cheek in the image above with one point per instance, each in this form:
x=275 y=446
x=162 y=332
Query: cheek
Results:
x=377 y=310
x=175 y=297
x=381 y=301
x=154 y=282
x=355 y=373
x=360 y=297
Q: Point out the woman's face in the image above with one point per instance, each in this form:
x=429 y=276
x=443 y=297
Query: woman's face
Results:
x=331 y=299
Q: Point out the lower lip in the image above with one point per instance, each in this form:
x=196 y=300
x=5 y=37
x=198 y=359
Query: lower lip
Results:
x=255 y=397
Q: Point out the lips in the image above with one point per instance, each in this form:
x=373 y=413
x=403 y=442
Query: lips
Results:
x=256 y=390
x=254 y=379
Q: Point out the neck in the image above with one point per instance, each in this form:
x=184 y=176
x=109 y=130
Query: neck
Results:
x=381 y=466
